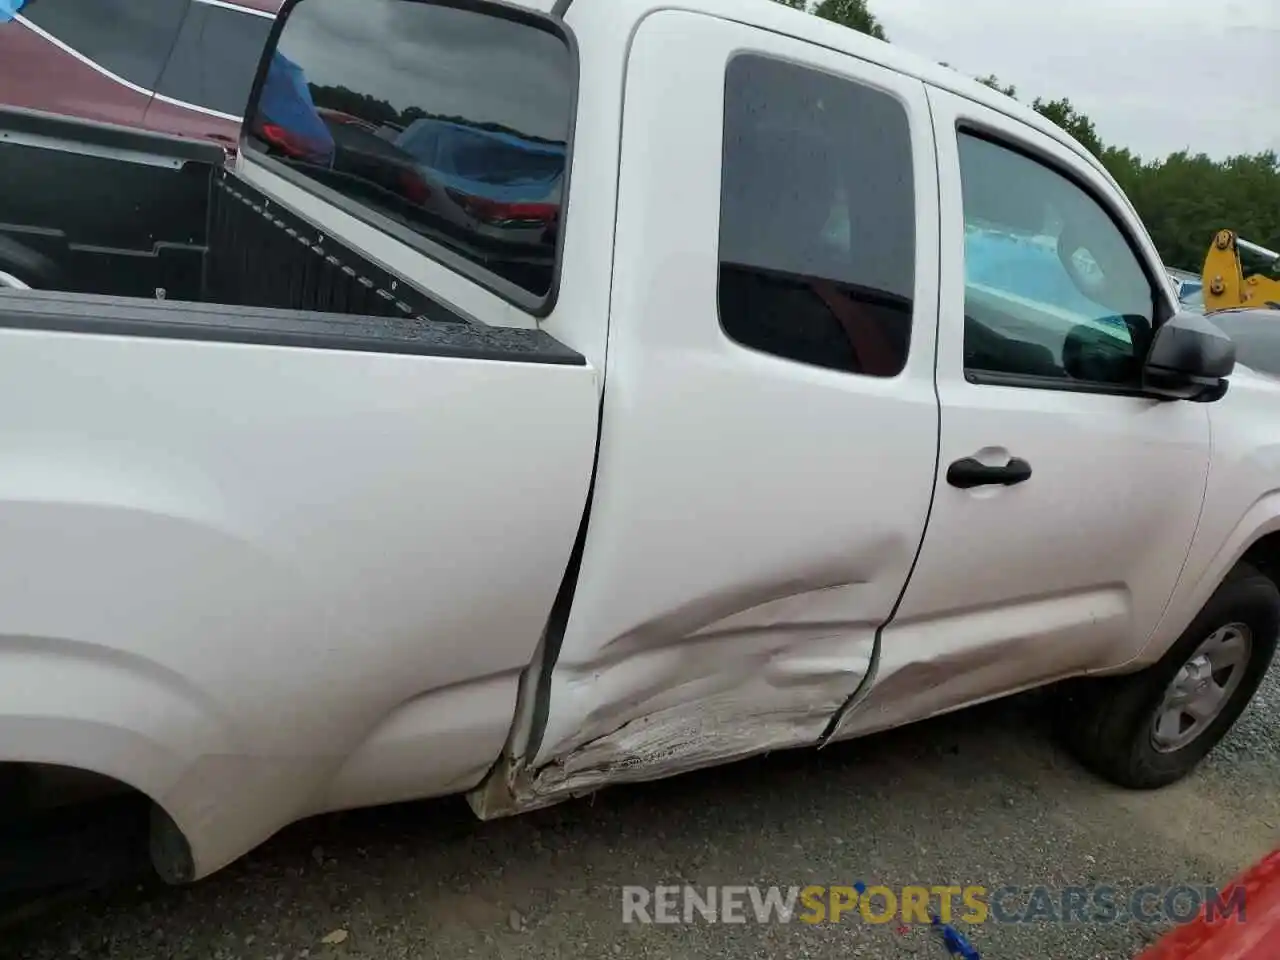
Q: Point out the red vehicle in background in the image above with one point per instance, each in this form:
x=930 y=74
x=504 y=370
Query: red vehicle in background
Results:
x=181 y=67
x=1255 y=935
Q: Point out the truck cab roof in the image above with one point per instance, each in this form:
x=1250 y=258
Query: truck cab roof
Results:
x=779 y=18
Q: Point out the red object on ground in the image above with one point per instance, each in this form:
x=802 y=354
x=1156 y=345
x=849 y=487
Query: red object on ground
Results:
x=1256 y=936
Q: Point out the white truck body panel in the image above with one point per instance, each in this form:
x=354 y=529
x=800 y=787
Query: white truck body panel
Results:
x=1241 y=503
x=233 y=573
x=732 y=587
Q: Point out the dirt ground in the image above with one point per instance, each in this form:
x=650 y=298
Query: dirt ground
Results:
x=979 y=798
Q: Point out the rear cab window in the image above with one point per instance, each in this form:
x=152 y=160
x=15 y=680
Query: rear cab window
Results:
x=446 y=127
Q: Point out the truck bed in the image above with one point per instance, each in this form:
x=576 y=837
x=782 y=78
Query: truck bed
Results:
x=243 y=467
x=98 y=211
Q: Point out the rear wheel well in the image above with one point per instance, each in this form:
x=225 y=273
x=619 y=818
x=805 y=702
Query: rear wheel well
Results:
x=66 y=827
x=1264 y=556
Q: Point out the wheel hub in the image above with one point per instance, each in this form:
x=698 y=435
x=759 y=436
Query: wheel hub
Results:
x=1201 y=688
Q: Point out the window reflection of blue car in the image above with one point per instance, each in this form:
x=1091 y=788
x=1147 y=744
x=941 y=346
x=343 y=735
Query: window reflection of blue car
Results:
x=495 y=177
x=1027 y=269
x=1185 y=283
x=286 y=117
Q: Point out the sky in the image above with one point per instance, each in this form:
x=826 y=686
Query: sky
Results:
x=1156 y=76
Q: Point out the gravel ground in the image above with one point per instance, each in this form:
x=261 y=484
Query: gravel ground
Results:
x=981 y=797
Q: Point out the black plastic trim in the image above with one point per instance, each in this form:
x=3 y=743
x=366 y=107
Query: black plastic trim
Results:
x=74 y=130
x=1024 y=381
x=562 y=607
x=535 y=306
x=222 y=323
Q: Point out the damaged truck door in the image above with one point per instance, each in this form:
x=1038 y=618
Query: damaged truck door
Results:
x=769 y=423
x=1066 y=500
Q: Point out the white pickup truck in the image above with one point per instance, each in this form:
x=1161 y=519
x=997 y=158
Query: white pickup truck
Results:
x=551 y=398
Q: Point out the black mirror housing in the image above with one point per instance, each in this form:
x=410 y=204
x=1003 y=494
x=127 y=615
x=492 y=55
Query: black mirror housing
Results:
x=1190 y=359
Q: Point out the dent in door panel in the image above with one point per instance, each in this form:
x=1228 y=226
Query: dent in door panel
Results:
x=697 y=702
x=936 y=665
x=755 y=515
x=744 y=670
x=813 y=594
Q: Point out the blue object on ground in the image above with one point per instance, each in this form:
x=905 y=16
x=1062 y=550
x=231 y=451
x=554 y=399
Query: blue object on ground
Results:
x=955 y=941
x=9 y=9
x=952 y=938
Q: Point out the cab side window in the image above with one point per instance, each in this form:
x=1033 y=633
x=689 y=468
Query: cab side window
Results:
x=1054 y=294
x=817 y=218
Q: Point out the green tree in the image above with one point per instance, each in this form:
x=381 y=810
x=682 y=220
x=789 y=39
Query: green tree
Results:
x=795 y=4
x=1183 y=199
x=1071 y=120
x=992 y=81
x=853 y=14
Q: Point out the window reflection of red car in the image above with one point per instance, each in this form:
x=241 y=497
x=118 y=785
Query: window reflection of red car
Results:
x=182 y=67
x=365 y=150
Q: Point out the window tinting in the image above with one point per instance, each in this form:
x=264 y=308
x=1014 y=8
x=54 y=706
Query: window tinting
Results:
x=1052 y=287
x=215 y=59
x=131 y=38
x=452 y=123
x=817 y=218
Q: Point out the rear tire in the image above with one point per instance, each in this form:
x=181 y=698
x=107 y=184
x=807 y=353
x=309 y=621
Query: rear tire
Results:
x=1152 y=728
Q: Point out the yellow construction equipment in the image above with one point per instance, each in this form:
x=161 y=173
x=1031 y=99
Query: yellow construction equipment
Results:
x=1225 y=283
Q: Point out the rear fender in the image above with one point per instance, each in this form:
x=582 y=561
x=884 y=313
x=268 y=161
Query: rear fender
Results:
x=226 y=567
x=89 y=708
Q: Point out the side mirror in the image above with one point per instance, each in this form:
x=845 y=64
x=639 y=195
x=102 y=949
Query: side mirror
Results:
x=1190 y=359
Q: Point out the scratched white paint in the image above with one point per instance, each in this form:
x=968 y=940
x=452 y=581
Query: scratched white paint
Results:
x=753 y=520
